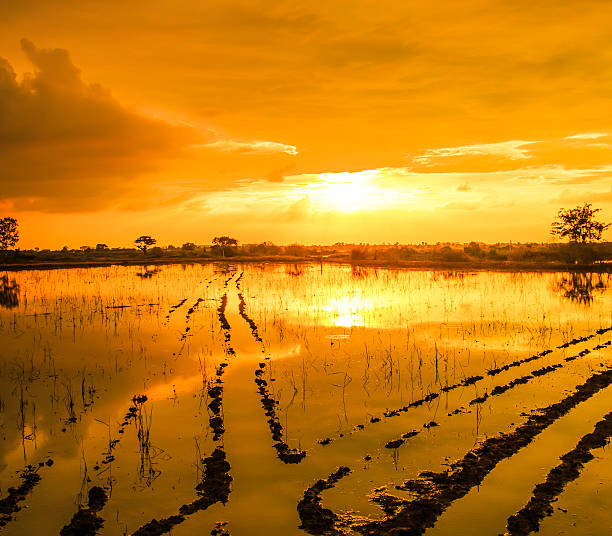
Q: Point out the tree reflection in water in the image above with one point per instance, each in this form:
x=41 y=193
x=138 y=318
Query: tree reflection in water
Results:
x=148 y=272
x=9 y=292
x=580 y=287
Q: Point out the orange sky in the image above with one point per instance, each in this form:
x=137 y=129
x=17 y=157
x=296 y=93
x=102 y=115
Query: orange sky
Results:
x=302 y=121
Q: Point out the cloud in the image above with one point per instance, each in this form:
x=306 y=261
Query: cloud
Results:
x=255 y=146
x=298 y=210
x=68 y=145
x=557 y=174
x=512 y=150
x=580 y=153
x=573 y=196
x=587 y=136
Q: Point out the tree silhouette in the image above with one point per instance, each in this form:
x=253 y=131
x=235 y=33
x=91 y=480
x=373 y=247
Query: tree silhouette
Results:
x=9 y=234
x=579 y=224
x=224 y=244
x=143 y=242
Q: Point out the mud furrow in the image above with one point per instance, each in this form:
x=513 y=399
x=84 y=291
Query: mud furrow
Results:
x=538 y=373
x=215 y=391
x=173 y=308
x=216 y=483
x=283 y=451
x=86 y=521
x=314 y=518
x=30 y=475
x=499 y=390
x=214 y=488
x=435 y=492
x=11 y=504
x=220 y=529
x=527 y=520
x=225 y=326
x=248 y=319
x=190 y=311
x=472 y=380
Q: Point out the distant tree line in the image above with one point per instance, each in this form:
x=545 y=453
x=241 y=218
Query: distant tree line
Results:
x=579 y=226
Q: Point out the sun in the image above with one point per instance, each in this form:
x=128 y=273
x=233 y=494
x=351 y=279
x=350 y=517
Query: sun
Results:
x=347 y=192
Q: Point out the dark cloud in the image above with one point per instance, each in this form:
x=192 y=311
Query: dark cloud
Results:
x=68 y=145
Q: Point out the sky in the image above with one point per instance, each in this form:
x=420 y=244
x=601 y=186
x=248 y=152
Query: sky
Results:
x=302 y=122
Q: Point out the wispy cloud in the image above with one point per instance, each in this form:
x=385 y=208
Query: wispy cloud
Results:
x=512 y=150
x=587 y=136
x=254 y=146
x=557 y=174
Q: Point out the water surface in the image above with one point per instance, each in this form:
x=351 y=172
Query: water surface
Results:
x=339 y=349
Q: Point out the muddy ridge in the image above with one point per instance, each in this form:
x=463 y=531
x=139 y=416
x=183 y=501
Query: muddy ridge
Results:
x=500 y=389
x=9 y=505
x=215 y=390
x=527 y=520
x=472 y=380
x=284 y=452
x=190 y=311
x=225 y=326
x=435 y=492
x=316 y=519
x=215 y=487
x=220 y=529
x=130 y=416
x=226 y=282
x=86 y=521
x=173 y=308
x=247 y=319
x=215 y=394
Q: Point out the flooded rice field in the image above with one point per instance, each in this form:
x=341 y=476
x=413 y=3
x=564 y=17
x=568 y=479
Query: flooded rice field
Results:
x=304 y=399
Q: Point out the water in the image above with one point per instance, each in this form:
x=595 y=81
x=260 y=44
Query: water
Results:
x=339 y=347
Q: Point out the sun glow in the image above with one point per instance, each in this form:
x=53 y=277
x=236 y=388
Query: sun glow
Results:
x=349 y=192
x=349 y=311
